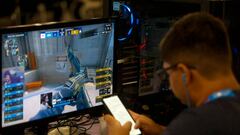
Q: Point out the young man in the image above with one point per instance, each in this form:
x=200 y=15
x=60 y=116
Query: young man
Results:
x=197 y=59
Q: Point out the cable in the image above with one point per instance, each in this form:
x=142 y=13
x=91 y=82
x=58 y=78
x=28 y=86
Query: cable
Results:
x=91 y=124
x=79 y=125
x=59 y=131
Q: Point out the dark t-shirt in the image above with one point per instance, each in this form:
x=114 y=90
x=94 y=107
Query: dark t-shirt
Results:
x=218 y=117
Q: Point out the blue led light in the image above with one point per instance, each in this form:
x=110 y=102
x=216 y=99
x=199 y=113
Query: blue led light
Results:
x=129 y=10
x=137 y=21
x=131 y=23
x=235 y=50
x=130 y=31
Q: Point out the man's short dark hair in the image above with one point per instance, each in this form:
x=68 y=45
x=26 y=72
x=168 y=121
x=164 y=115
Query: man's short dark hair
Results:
x=200 y=40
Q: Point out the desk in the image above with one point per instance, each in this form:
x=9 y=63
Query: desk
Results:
x=96 y=129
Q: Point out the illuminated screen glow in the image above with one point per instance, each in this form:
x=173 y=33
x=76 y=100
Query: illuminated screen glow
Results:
x=51 y=72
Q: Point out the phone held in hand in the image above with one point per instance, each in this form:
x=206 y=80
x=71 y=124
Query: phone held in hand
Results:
x=118 y=110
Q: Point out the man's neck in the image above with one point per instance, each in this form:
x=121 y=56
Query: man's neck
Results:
x=216 y=86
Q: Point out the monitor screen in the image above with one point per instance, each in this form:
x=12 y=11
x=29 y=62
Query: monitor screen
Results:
x=55 y=70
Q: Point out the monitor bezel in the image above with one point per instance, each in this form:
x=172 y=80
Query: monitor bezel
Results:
x=97 y=110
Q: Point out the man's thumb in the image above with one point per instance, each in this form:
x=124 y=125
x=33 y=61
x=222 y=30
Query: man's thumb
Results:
x=127 y=126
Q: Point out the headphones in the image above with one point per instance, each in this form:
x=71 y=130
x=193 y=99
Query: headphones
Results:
x=189 y=104
x=184 y=78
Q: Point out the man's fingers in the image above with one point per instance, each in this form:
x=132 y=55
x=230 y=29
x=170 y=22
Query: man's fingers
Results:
x=109 y=119
x=127 y=126
x=137 y=124
x=137 y=118
x=133 y=114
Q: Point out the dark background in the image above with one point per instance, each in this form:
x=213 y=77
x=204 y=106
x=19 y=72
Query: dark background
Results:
x=159 y=14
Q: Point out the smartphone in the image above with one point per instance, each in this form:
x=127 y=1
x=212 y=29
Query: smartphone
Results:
x=118 y=110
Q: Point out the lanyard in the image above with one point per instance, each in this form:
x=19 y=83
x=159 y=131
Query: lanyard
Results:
x=220 y=94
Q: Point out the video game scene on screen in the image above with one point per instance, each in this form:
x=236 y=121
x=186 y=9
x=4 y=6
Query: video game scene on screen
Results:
x=55 y=71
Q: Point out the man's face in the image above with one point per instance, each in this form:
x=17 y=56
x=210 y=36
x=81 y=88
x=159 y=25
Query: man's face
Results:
x=176 y=82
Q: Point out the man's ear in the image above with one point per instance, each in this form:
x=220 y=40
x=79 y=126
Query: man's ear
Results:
x=185 y=72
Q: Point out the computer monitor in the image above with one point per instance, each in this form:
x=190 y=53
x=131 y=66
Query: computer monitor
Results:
x=55 y=70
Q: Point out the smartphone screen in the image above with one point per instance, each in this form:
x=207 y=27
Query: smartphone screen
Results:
x=120 y=113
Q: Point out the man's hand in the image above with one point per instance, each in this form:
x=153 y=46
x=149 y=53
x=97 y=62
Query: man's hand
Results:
x=114 y=127
x=147 y=126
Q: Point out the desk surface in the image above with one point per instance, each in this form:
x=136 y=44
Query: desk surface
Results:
x=98 y=128
x=94 y=130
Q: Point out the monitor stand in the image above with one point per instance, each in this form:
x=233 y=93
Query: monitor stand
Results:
x=13 y=131
x=41 y=129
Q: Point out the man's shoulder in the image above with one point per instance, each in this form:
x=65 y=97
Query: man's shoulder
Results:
x=221 y=106
x=219 y=109
x=208 y=118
